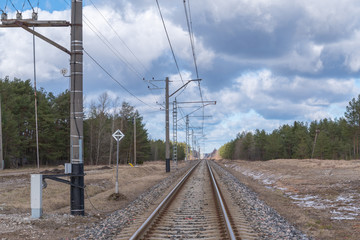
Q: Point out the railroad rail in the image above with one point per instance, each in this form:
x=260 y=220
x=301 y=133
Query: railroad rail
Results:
x=194 y=208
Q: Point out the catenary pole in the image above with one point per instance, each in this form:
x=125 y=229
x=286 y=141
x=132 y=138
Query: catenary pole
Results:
x=187 y=138
x=167 y=133
x=76 y=93
x=36 y=111
x=1 y=149
x=134 y=140
x=76 y=110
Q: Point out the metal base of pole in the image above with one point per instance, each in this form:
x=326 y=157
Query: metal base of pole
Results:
x=168 y=165
x=77 y=190
x=116 y=187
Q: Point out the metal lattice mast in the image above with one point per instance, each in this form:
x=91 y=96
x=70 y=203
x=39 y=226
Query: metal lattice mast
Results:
x=175 y=131
x=192 y=143
x=187 y=138
x=1 y=150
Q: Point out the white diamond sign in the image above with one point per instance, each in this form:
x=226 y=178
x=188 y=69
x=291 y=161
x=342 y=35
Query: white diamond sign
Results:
x=118 y=135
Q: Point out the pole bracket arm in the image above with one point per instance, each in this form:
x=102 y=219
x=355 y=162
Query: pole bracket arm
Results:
x=194 y=80
x=27 y=24
x=57 y=178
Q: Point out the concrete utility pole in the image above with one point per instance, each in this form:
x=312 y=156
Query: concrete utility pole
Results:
x=76 y=110
x=316 y=134
x=187 y=138
x=76 y=92
x=1 y=149
x=134 y=140
x=36 y=112
x=167 y=133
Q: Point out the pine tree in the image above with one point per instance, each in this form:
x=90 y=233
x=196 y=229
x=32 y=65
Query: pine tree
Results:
x=352 y=116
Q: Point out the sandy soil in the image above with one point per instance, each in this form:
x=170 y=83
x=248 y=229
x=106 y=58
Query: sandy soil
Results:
x=57 y=223
x=321 y=197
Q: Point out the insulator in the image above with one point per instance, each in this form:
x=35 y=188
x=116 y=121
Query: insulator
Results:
x=3 y=16
x=18 y=15
x=34 y=16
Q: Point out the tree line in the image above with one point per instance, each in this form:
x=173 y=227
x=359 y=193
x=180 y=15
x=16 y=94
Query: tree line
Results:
x=323 y=139
x=103 y=117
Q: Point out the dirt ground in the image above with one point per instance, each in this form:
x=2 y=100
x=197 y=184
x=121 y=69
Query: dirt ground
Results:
x=320 y=197
x=57 y=223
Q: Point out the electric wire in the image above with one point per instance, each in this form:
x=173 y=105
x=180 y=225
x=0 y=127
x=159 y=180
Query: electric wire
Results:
x=6 y=5
x=88 y=198
x=168 y=38
x=192 y=112
x=182 y=114
x=191 y=39
x=31 y=5
x=110 y=46
x=14 y=6
x=108 y=23
x=192 y=32
x=117 y=81
x=22 y=9
x=191 y=36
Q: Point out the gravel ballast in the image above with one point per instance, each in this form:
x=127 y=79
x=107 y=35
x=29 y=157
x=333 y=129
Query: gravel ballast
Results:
x=116 y=221
x=262 y=218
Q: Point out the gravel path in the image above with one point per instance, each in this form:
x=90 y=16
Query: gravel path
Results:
x=263 y=219
x=116 y=221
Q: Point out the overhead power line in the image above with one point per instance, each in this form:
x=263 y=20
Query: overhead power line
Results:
x=117 y=81
x=13 y=6
x=191 y=36
x=168 y=38
x=115 y=52
x=109 y=45
x=108 y=23
x=30 y=5
x=112 y=48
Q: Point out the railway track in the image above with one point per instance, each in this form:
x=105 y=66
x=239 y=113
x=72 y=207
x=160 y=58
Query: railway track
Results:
x=196 y=208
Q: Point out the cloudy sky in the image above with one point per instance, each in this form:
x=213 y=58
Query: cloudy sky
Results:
x=266 y=63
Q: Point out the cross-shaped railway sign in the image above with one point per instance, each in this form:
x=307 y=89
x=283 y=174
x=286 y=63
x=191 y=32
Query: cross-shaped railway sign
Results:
x=118 y=135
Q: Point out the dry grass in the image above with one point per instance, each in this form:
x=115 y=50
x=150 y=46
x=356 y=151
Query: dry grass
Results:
x=315 y=195
x=100 y=184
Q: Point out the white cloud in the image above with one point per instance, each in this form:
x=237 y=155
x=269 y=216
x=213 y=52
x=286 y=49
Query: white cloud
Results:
x=278 y=61
x=276 y=97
